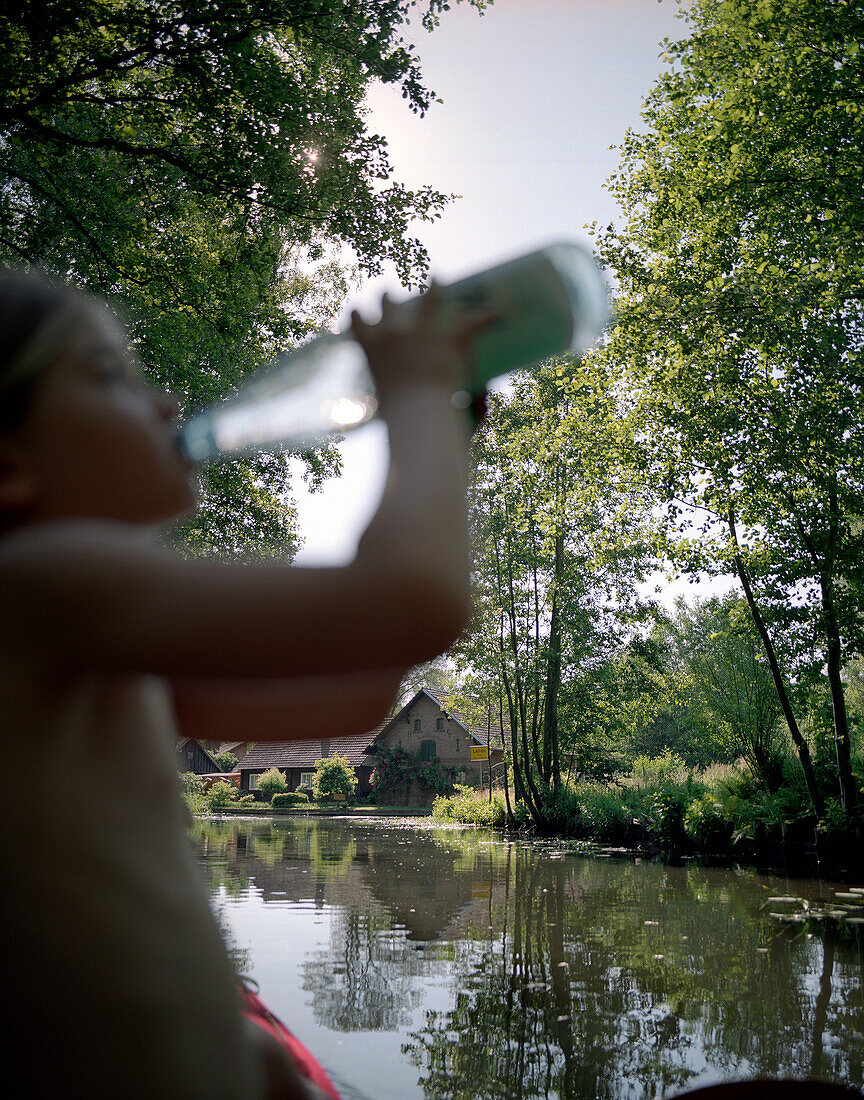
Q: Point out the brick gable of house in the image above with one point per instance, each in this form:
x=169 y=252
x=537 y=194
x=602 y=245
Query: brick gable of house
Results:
x=429 y=728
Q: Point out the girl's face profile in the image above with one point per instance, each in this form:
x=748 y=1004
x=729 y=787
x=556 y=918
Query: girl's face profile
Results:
x=98 y=440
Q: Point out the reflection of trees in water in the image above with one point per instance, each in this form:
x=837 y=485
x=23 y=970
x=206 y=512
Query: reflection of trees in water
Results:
x=593 y=993
x=241 y=957
x=570 y=978
x=366 y=980
x=216 y=844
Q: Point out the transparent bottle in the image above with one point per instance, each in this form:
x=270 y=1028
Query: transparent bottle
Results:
x=547 y=302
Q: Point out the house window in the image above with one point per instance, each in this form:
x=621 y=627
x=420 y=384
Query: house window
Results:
x=253 y=780
x=306 y=779
x=417 y=724
x=440 y=724
x=427 y=750
x=457 y=744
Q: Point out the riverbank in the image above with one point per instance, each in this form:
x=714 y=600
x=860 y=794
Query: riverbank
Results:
x=660 y=810
x=266 y=810
x=663 y=810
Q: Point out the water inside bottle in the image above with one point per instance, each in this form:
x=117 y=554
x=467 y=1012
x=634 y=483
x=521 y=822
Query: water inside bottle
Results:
x=320 y=389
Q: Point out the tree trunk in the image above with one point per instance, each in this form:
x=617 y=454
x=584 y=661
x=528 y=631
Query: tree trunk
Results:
x=488 y=749
x=848 y=791
x=518 y=786
x=551 y=761
x=782 y=695
x=824 y=565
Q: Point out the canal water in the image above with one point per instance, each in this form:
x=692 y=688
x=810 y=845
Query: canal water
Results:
x=445 y=964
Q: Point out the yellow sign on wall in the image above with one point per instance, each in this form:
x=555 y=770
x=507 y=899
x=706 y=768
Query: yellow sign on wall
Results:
x=479 y=752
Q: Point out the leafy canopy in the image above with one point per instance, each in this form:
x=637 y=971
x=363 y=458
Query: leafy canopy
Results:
x=197 y=161
x=740 y=291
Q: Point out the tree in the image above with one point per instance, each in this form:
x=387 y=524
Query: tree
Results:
x=227 y=761
x=334 y=775
x=560 y=546
x=272 y=782
x=436 y=675
x=730 y=678
x=193 y=162
x=739 y=322
x=639 y=703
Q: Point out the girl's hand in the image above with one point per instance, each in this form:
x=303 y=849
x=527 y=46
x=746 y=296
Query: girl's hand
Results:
x=425 y=343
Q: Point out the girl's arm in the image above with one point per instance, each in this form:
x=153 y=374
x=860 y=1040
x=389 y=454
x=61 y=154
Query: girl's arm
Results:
x=284 y=710
x=94 y=595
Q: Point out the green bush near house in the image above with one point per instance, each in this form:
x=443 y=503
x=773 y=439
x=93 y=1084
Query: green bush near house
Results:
x=397 y=767
x=272 y=782
x=468 y=807
x=220 y=795
x=192 y=792
x=289 y=798
x=334 y=777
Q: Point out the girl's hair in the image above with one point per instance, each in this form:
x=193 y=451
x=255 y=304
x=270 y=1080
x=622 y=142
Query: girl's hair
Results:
x=37 y=317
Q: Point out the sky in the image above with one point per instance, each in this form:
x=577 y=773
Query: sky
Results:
x=536 y=94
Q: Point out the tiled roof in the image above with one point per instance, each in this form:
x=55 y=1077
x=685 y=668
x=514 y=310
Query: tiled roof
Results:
x=482 y=732
x=303 y=754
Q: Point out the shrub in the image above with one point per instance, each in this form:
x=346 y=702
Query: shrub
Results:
x=334 y=775
x=192 y=792
x=246 y=800
x=467 y=807
x=227 y=761
x=665 y=818
x=657 y=771
x=396 y=767
x=752 y=809
x=272 y=782
x=562 y=809
x=221 y=794
x=602 y=811
x=289 y=798
x=707 y=821
x=522 y=815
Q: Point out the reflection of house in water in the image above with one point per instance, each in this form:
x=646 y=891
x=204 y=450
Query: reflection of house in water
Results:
x=401 y=874
x=394 y=892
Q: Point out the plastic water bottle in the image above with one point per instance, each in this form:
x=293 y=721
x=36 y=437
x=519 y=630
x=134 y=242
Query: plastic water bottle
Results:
x=547 y=302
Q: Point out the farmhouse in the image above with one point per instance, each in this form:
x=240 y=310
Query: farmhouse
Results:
x=426 y=729
x=297 y=760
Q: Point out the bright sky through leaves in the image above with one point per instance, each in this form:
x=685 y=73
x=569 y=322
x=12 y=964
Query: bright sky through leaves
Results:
x=534 y=94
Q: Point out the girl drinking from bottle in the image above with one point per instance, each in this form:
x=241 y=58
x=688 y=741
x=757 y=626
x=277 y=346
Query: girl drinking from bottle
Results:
x=112 y=646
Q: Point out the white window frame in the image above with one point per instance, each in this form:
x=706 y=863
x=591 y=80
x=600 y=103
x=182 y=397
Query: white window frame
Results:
x=306 y=778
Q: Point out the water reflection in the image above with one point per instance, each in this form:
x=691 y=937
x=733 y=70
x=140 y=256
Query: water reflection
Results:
x=513 y=970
